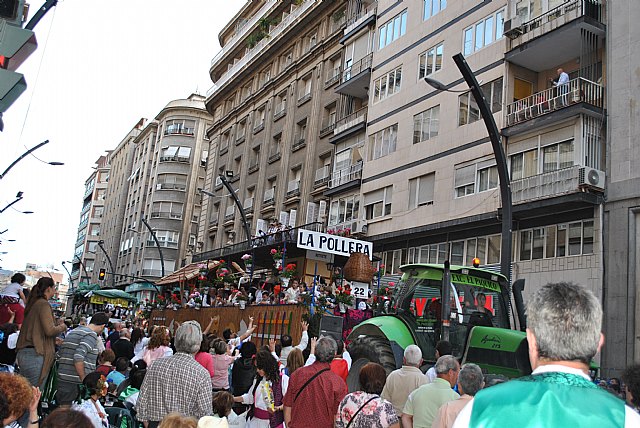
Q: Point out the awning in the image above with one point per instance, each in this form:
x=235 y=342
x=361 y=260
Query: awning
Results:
x=190 y=271
x=140 y=286
x=113 y=296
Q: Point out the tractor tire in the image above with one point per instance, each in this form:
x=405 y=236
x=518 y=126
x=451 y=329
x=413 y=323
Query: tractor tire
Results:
x=368 y=349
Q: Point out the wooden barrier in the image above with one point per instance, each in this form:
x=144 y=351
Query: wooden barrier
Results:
x=271 y=321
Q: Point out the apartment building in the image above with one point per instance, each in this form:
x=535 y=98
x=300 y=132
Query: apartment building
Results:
x=167 y=167
x=274 y=109
x=106 y=249
x=89 y=228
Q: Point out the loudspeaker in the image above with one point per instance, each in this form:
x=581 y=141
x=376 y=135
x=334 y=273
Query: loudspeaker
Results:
x=331 y=326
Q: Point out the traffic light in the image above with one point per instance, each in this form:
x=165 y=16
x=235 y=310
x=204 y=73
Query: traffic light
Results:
x=102 y=274
x=16 y=44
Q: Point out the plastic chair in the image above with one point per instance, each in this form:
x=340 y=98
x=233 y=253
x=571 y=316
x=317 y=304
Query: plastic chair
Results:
x=120 y=418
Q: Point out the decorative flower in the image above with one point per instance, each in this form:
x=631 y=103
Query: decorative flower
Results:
x=246 y=257
x=289 y=270
x=344 y=295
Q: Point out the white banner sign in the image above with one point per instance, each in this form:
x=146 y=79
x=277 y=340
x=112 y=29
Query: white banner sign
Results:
x=333 y=244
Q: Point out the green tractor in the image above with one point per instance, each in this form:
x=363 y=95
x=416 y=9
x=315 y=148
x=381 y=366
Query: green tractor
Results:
x=476 y=320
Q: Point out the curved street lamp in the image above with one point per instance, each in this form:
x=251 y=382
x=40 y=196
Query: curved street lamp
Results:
x=498 y=152
x=24 y=155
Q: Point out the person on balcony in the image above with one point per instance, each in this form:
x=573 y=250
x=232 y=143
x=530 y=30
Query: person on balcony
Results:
x=563 y=86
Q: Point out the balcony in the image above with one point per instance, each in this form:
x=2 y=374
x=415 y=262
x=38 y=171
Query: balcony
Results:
x=333 y=76
x=293 y=188
x=346 y=175
x=579 y=94
x=355 y=79
x=299 y=142
x=550 y=184
x=269 y=197
x=261 y=47
x=304 y=98
x=327 y=128
x=356 y=119
x=164 y=244
x=555 y=36
x=248 y=205
x=274 y=157
x=167 y=214
x=172 y=186
x=230 y=213
x=366 y=16
x=253 y=168
x=322 y=176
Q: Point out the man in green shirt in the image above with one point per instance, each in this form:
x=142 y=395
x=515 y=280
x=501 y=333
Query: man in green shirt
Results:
x=423 y=403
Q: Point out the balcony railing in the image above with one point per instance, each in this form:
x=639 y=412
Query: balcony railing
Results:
x=280 y=113
x=360 y=17
x=269 y=196
x=359 y=66
x=346 y=175
x=242 y=30
x=327 y=128
x=165 y=244
x=293 y=188
x=322 y=175
x=299 y=142
x=304 y=98
x=172 y=186
x=548 y=184
x=167 y=214
x=274 y=35
x=178 y=130
x=333 y=76
x=578 y=90
x=564 y=13
x=351 y=120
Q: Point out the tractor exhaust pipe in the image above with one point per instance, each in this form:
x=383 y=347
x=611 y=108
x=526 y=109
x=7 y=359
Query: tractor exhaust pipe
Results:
x=517 y=289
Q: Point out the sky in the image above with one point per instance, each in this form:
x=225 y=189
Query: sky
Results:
x=99 y=68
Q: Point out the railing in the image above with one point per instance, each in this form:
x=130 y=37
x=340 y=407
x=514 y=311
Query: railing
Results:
x=180 y=130
x=548 y=184
x=299 y=142
x=569 y=10
x=173 y=159
x=260 y=240
x=280 y=113
x=166 y=244
x=327 y=129
x=242 y=31
x=269 y=195
x=172 y=186
x=274 y=34
x=322 y=175
x=578 y=90
x=304 y=98
x=274 y=157
x=346 y=175
x=253 y=168
x=166 y=214
x=358 y=67
x=361 y=16
x=259 y=127
x=293 y=188
x=351 y=120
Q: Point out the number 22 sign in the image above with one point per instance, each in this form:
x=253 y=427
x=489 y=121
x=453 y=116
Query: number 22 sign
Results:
x=360 y=290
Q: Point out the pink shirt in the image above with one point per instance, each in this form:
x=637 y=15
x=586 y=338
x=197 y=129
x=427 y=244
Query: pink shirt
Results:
x=206 y=360
x=221 y=363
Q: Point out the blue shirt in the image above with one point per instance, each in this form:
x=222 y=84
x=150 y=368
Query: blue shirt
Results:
x=115 y=377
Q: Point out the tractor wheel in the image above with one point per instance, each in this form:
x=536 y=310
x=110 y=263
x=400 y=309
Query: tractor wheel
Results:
x=367 y=349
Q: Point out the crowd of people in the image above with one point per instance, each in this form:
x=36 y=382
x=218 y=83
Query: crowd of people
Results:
x=129 y=374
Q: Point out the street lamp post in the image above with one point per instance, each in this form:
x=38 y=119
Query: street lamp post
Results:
x=113 y=272
x=24 y=155
x=86 y=274
x=500 y=156
x=155 y=239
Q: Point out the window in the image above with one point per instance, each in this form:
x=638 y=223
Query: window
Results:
x=484 y=32
x=286 y=60
x=383 y=142
x=387 y=85
x=153 y=267
x=172 y=182
x=426 y=124
x=180 y=126
x=255 y=159
x=281 y=104
x=167 y=238
x=97 y=212
x=378 y=203
x=431 y=7
x=421 y=190
x=392 y=29
x=310 y=40
x=274 y=149
x=557 y=156
x=301 y=133
x=468 y=108
x=344 y=209
x=167 y=210
x=94 y=230
x=524 y=164
x=259 y=117
x=305 y=89
x=265 y=76
x=487 y=178
x=430 y=61
x=464 y=181
x=241 y=130
x=568 y=239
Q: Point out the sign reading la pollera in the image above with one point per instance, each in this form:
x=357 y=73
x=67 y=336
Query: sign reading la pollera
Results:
x=333 y=244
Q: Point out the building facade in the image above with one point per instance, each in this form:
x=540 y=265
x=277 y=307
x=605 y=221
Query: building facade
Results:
x=168 y=166
x=90 y=225
x=272 y=102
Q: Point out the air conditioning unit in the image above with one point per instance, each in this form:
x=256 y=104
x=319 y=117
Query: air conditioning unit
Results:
x=359 y=227
x=513 y=28
x=591 y=177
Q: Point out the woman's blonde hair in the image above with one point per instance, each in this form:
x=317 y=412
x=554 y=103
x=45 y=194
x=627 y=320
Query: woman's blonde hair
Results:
x=295 y=360
x=176 y=420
